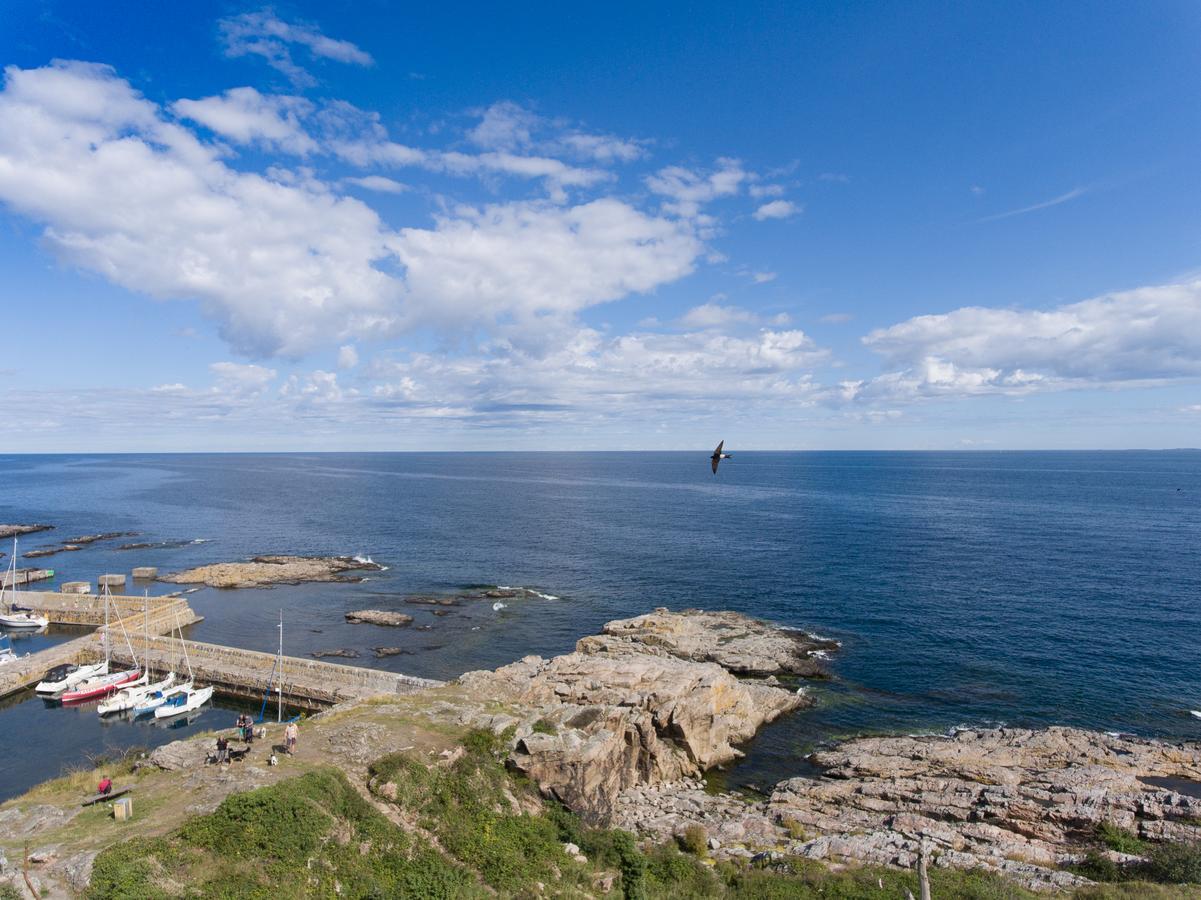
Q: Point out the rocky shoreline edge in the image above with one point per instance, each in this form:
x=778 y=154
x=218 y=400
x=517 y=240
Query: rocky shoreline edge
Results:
x=622 y=729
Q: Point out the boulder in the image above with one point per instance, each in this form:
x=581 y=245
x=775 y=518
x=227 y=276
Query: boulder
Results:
x=378 y=617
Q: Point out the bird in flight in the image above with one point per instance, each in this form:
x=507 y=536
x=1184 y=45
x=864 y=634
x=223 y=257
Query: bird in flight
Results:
x=718 y=456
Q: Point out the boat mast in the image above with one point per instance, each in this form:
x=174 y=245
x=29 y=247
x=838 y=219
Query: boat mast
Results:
x=279 y=671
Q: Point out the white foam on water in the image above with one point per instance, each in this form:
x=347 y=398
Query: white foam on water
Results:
x=819 y=654
x=1193 y=712
x=202 y=540
x=498 y=606
x=363 y=560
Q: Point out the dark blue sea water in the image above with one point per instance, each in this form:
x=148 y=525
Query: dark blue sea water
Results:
x=967 y=588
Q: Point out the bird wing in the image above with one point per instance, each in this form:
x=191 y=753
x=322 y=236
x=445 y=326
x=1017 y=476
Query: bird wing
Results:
x=714 y=460
x=720 y=444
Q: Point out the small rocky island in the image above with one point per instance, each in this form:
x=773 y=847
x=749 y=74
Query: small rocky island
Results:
x=262 y=571
x=9 y=531
x=620 y=731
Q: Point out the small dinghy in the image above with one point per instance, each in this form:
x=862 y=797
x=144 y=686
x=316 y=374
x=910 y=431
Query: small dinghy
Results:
x=66 y=676
x=184 y=702
x=133 y=694
x=23 y=620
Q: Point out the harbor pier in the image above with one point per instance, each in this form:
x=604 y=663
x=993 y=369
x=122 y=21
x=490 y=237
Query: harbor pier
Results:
x=146 y=623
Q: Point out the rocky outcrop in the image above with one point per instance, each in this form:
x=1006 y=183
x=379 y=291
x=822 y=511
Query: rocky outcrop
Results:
x=267 y=570
x=735 y=642
x=1019 y=802
x=379 y=617
x=621 y=711
x=8 y=531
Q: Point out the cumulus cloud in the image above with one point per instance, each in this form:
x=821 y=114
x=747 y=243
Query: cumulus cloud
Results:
x=140 y=200
x=777 y=209
x=282 y=261
x=1137 y=337
x=531 y=259
x=513 y=128
x=378 y=183
x=245 y=116
x=348 y=356
x=265 y=35
x=687 y=190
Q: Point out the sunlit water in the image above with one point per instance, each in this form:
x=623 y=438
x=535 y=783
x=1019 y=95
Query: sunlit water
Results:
x=967 y=588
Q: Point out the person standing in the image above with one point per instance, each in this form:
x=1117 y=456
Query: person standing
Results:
x=291 y=732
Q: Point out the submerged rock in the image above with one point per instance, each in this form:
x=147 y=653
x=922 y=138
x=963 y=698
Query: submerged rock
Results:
x=378 y=617
x=266 y=570
x=342 y=652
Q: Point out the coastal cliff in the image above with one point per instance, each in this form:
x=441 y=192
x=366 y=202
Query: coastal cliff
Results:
x=617 y=735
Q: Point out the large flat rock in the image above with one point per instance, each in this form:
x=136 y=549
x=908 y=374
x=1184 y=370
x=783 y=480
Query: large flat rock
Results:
x=268 y=570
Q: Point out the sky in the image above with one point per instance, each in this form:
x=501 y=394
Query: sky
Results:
x=385 y=226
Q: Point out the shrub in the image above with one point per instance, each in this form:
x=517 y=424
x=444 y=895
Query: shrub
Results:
x=1119 y=839
x=694 y=840
x=1173 y=864
x=544 y=726
x=1096 y=867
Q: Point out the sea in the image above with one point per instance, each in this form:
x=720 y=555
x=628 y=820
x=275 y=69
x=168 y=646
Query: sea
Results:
x=967 y=589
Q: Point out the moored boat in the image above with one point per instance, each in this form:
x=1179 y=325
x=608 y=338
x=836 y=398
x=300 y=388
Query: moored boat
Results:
x=12 y=617
x=154 y=699
x=133 y=694
x=101 y=685
x=184 y=702
x=7 y=655
x=15 y=619
x=66 y=676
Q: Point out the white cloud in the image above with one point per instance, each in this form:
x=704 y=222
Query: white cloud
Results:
x=1035 y=207
x=505 y=125
x=241 y=378
x=139 y=200
x=777 y=209
x=835 y=318
x=509 y=127
x=531 y=259
x=245 y=116
x=765 y=190
x=281 y=261
x=714 y=315
x=763 y=277
x=348 y=356
x=378 y=183
x=688 y=190
x=1134 y=337
x=263 y=34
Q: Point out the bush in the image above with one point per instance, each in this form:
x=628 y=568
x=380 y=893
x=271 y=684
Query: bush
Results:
x=694 y=840
x=1173 y=864
x=544 y=726
x=1097 y=867
x=1119 y=839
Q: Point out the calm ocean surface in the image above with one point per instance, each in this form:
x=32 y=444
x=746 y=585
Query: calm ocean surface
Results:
x=967 y=588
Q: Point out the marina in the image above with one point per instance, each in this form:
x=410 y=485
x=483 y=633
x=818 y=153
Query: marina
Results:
x=140 y=635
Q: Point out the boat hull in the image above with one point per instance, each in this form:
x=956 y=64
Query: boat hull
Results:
x=101 y=687
x=193 y=701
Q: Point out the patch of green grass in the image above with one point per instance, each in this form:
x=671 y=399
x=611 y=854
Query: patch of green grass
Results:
x=544 y=726
x=694 y=840
x=313 y=832
x=1172 y=864
x=1119 y=839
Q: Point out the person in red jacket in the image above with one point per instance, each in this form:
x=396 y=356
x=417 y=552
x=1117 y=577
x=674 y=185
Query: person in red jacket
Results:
x=105 y=787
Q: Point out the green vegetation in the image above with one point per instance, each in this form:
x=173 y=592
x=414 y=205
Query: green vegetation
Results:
x=1120 y=839
x=466 y=828
x=544 y=726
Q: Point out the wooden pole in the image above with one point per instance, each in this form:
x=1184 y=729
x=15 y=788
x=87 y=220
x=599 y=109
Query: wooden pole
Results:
x=923 y=874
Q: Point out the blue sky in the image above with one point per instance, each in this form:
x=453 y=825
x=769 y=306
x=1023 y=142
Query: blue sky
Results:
x=383 y=226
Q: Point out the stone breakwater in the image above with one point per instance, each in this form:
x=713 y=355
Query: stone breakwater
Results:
x=1022 y=803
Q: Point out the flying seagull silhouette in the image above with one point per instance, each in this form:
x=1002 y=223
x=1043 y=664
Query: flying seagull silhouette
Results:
x=718 y=456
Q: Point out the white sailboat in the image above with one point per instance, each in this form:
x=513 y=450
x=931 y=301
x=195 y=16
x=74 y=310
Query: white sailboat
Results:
x=7 y=655
x=178 y=699
x=11 y=618
x=103 y=685
x=184 y=702
x=131 y=696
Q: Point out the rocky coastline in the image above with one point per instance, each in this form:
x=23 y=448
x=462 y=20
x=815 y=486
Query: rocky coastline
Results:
x=622 y=730
x=263 y=571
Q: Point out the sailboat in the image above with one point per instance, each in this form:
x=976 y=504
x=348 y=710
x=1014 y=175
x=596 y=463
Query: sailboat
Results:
x=156 y=698
x=12 y=618
x=7 y=655
x=136 y=691
x=189 y=698
x=103 y=685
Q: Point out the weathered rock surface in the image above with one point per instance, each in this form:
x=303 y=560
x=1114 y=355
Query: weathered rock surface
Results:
x=379 y=617
x=1019 y=802
x=29 y=820
x=733 y=641
x=265 y=570
x=342 y=652
x=178 y=756
x=8 y=531
x=624 y=712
